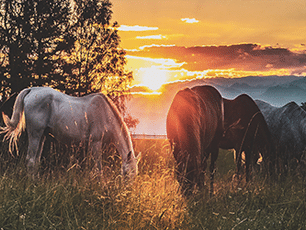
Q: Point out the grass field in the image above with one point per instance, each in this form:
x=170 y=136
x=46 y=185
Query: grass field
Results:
x=72 y=197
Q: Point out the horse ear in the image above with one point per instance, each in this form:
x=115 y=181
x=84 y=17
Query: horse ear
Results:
x=129 y=156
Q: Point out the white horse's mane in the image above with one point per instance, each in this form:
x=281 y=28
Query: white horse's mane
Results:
x=118 y=115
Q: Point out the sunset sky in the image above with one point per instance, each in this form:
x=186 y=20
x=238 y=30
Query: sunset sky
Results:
x=170 y=41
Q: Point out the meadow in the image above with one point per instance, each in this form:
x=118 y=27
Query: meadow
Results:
x=72 y=196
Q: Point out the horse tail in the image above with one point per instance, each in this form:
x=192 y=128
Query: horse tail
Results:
x=14 y=126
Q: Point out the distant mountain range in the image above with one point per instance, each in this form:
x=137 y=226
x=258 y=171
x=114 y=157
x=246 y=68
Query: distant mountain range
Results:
x=151 y=110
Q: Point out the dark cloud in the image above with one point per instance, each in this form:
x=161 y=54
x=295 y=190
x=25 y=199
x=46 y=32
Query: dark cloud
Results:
x=248 y=57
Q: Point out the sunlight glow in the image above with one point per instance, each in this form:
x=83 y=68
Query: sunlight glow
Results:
x=146 y=93
x=154 y=72
x=148 y=62
x=153 y=77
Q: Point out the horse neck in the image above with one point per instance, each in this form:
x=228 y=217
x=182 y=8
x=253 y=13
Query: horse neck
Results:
x=120 y=134
x=122 y=140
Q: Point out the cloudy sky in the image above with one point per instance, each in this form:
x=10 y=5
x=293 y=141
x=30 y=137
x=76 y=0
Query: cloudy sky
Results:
x=171 y=40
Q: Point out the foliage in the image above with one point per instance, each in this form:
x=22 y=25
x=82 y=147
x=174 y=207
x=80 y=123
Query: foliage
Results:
x=76 y=199
x=95 y=63
x=30 y=33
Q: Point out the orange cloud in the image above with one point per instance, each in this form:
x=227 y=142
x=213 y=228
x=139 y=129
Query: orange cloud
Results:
x=241 y=57
x=153 y=45
x=175 y=64
x=142 y=62
x=153 y=37
x=189 y=20
x=136 y=28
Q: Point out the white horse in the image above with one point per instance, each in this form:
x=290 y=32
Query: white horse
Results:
x=93 y=120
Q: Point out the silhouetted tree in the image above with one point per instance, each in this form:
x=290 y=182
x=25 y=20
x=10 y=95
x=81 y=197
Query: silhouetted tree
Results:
x=96 y=62
x=30 y=33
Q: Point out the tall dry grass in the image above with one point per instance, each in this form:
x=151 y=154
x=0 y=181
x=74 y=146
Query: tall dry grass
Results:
x=70 y=195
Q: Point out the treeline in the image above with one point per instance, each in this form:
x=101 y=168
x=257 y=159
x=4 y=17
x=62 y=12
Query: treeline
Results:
x=69 y=45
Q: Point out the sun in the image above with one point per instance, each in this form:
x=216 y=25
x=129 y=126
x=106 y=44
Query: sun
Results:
x=153 y=77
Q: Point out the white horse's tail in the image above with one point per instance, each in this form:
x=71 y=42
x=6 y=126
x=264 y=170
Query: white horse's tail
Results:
x=14 y=126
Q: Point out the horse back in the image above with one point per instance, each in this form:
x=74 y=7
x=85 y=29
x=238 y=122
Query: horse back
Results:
x=194 y=118
x=211 y=104
x=70 y=119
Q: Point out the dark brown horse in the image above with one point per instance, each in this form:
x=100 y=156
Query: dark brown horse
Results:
x=200 y=121
x=246 y=131
x=194 y=128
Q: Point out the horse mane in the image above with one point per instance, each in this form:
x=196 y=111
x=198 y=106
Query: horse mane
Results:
x=118 y=115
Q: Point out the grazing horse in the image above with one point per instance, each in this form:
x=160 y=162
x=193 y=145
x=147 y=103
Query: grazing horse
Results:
x=246 y=130
x=287 y=125
x=194 y=128
x=93 y=120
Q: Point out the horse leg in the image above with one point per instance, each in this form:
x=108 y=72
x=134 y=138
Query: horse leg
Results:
x=95 y=148
x=36 y=142
x=238 y=163
x=250 y=162
x=247 y=165
x=249 y=159
x=203 y=168
x=213 y=158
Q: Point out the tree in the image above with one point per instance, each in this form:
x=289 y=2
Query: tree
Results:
x=30 y=33
x=96 y=62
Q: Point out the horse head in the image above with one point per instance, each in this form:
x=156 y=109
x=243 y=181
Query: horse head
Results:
x=130 y=166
